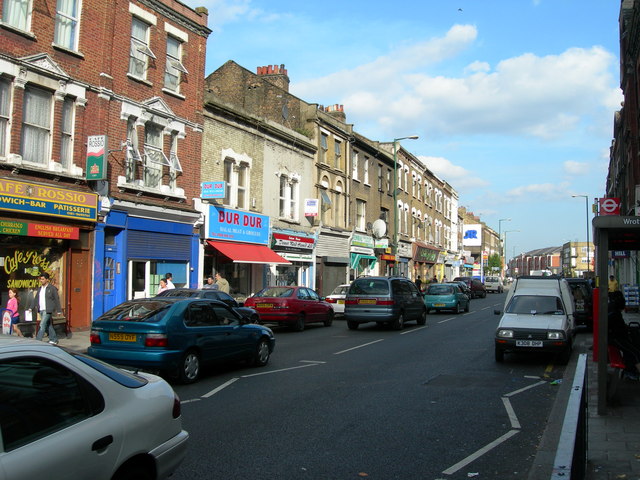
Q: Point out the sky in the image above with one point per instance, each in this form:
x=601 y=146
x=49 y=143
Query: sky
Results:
x=513 y=100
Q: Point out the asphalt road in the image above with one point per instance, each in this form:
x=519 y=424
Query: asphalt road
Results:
x=422 y=403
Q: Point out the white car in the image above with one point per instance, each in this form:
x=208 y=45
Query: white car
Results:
x=336 y=299
x=494 y=284
x=66 y=415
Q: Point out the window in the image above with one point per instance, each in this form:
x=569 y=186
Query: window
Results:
x=154 y=157
x=66 y=133
x=40 y=397
x=5 y=107
x=67 y=18
x=174 y=162
x=288 y=197
x=174 y=67
x=389 y=186
x=17 y=13
x=337 y=148
x=380 y=177
x=354 y=164
x=236 y=177
x=133 y=156
x=36 y=125
x=140 y=52
x=324 y=146
x=340 y=201
x=365 y=168
x=361 y=214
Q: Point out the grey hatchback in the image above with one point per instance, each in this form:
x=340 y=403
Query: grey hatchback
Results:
x=384 y=300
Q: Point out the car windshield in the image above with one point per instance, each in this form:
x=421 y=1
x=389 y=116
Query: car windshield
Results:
x=275 y=292
x=440 y=290
x=136 y=311
x=341 y=290
x=535 y=305
x=369 y=286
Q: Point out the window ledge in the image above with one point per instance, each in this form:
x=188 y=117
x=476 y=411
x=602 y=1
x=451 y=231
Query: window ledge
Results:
x=174 y=94
x=139 y=80
x=66 y=50
x=164 y=190
x=52 y=168
x=23 y=33
x=289 y=220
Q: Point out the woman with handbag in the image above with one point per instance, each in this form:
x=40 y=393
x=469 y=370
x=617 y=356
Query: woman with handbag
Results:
x=12 y=306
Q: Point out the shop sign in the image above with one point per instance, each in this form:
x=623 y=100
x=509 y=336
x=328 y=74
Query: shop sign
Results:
x=472 y=236
x=24 y=266
x=213 y=189
x=96 y=157
x=404 y=250
x=11 y=227
x=388 y=258
x=237 y=226
x=297 y=242
x=44 y=200
x=360 y=240
x=426 y=255
x=311 y=207
x=381 y=243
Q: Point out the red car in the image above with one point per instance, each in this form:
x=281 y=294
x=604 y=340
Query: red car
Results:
x=291 y=306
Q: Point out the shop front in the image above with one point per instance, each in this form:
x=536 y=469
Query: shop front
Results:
x=297 y=248
x=236 y=247
x=138 y=245
x=424 y=260
x=332 y=260
x=363 y=260
x=45 y=229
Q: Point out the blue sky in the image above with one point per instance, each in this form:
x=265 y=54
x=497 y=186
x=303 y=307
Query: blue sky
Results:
x=513 y=100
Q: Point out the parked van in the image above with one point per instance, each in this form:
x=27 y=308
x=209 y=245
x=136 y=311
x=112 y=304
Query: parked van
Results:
x=493 y=284
x=538 y=317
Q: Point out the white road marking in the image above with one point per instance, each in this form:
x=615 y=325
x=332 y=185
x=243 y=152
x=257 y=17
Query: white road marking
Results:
x=216 y=390
x=359 y=346
x=515 y=423
x=479 y=453
x=311 y=361
x=413 y=330
x=182 y=402
x=281 y=370
x=541 y=382
x=446 y=320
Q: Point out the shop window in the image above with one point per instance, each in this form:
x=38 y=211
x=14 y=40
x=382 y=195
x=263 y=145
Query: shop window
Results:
x=67 y=24
x=17 y=13
x=36 y=126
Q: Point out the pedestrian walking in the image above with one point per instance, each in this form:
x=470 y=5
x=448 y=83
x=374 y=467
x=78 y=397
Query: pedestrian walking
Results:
x=12 y=307
x=47 y=302
x=613 y=284
x=419 y=283
x=169 y=279
x=222 y=283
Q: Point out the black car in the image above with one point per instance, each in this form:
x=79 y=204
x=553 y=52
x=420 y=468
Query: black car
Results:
x=475 y=286
x=583 y=298
x=212 y=294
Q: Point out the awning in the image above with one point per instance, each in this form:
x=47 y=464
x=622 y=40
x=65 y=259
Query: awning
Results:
x=356 y=257
x=248 y=253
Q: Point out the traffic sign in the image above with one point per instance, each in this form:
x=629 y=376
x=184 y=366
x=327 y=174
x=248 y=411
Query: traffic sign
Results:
x=609 y=206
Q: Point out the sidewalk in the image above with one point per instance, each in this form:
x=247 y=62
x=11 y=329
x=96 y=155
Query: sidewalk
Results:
x=614 y=439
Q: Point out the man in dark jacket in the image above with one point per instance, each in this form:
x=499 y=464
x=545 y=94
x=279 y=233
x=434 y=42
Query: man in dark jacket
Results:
x=47 y=302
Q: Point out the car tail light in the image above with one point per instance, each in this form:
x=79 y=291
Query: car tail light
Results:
x=176 y=406
x=155 y=340
x=94 y=338
x=386 y=301
x=330 y=300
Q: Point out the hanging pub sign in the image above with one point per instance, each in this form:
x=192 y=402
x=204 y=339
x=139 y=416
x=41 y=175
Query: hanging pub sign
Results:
x=96 y=157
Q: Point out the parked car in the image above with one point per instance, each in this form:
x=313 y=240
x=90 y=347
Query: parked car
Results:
x=475 y=286
x=212 y=294
x=384 y=300
x=446 y=296
x=464 y=286
x=177 y=336
x=583 y=297
x=538 y=317
x=291 y=306
x=336 y=299
x=493 y=284
x=64 y=414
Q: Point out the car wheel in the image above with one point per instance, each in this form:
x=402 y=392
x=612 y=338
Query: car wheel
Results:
x=133 y=472
x=466 y=307
x=329 y=320
x=262 y=353
x=484 y=294
x=299 y=325
x=189 y=367
x=499 y=355
x=399 y=322
x=352 y=325
x=458 y=308
x=422 y=319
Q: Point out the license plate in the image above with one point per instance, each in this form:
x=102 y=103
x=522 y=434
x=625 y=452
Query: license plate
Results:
x=122 y=337
x=364 y=301
x=438 y=304
x=264 y=305
x=528 y=343
x=340 y=302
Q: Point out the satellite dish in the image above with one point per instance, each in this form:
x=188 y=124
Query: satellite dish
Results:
x=379 y=228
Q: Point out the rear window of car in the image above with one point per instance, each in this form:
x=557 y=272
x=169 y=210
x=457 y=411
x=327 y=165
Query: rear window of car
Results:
x=440 y=290
x=369 y=286
x=492 y=279
x=149 y=311
x=535 y=305
x=275 y=292
x=341 y=290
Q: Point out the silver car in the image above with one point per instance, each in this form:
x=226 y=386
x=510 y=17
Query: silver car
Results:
x=66 y=415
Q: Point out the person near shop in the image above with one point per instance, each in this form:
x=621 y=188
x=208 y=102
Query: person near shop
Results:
x=210 y=283
x=47 y=302
x=419 y=283
x=620 y=337
x=169 y=279
x=12 y=306
x=434 y=279
x=162 y=286
x=222 y=283
x=613 y=284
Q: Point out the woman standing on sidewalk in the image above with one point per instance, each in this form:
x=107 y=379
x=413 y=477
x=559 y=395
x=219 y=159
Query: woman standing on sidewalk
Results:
x=12 y=306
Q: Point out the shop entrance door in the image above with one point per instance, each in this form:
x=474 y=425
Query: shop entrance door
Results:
x=79 y=314
x=109 y=279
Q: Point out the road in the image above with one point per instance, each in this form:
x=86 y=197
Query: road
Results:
x=422 y=403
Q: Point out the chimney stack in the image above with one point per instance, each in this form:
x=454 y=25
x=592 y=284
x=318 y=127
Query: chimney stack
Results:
x=336 y=111
x=276 y=75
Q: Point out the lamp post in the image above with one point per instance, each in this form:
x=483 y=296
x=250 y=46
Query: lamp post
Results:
x=395 y=195
x=502 y=251
x=505 y=237
x=586 y=204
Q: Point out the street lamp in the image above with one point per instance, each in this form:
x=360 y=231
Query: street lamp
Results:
x=586 y=204
x=502 y=251
x=505 y=237
x=395 y=195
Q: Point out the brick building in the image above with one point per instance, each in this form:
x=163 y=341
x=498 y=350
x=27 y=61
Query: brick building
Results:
x=101 y=142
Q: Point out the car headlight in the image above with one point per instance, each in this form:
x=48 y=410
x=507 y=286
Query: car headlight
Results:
x=504 y=333
x=555 y=335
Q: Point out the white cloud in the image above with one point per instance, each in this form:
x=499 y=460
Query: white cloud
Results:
x=572 y=167
x=460 y=178
x=539 y=192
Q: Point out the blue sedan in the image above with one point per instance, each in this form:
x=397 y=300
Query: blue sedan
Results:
x=177 y=336
x=446 y=296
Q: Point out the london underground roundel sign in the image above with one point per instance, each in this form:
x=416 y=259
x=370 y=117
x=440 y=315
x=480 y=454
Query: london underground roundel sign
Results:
x=609 y=206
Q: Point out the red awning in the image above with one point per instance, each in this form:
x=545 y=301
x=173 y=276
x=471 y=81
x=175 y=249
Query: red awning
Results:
x=248 y=253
